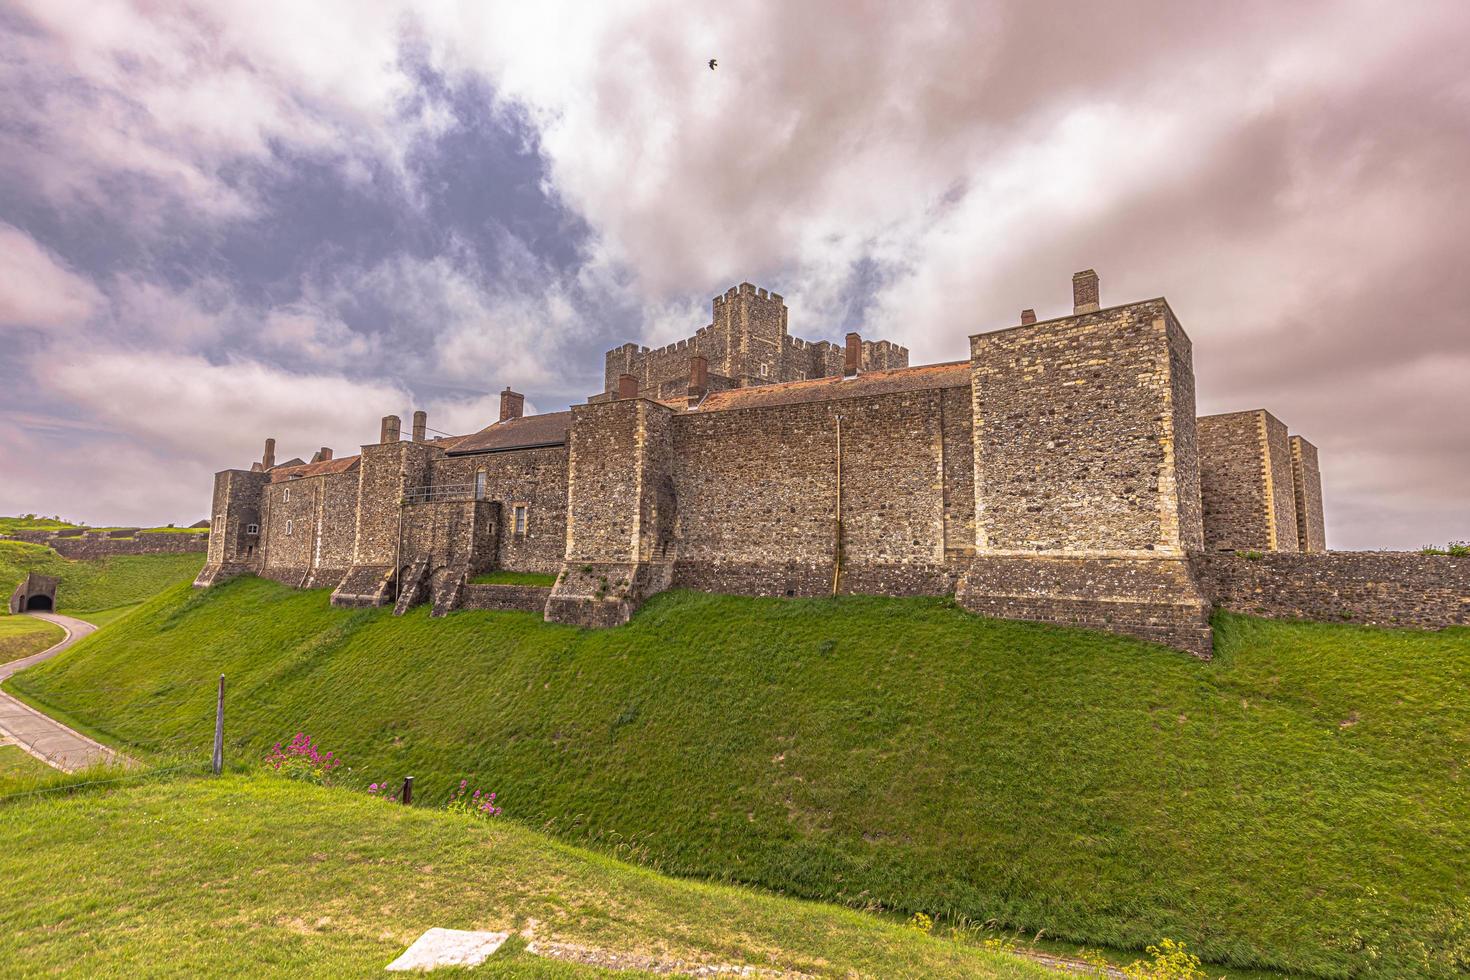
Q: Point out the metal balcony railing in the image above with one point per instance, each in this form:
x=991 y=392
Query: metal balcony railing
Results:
x=439 y=492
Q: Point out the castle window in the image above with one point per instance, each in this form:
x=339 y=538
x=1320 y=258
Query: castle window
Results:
x=763 y=370
x=252 y=528
x=479 y=484
x=289 y=526
x=286 y=495
x=518 y=519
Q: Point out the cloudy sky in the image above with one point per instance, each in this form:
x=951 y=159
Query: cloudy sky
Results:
x=220 y=222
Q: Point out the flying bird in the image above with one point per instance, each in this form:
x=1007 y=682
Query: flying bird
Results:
x=712 y=63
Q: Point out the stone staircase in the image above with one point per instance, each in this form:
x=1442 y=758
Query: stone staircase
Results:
x=412 y=586
x=446 y=588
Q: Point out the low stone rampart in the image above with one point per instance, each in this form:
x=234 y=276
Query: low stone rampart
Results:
x=101 y=544
x=527 y=598
x=1152 y=599
x=1376 y=588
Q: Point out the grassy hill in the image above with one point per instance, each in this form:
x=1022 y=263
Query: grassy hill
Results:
x=21 y=636
x=256 y=875
x=30 y=522
x=1298 y=803
x=93 y=590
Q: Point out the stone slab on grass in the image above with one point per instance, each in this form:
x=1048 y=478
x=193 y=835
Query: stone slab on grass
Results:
x=449 y=947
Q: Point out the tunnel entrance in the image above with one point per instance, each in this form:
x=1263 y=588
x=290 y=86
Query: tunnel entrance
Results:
x=39 y=602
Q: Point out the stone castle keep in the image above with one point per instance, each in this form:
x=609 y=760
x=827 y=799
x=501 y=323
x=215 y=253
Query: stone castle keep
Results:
x=1058 y=474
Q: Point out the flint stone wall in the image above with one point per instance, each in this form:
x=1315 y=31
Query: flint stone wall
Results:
x=756 y=492
x=1375 y=588
x=534 y=477
x=526 y=598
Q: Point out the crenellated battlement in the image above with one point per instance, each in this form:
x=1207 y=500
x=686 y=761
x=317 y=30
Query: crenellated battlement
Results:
x=746 y=342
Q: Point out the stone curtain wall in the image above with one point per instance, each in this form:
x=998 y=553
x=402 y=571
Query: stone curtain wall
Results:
x=293 y=504
x=1311 y=533
x=1246 y=483
x=1376 y=588
x=87 y=546
x=535 y=477
x=958 y=477
x=323 y=514
x=1078 y=447
x=756 y=491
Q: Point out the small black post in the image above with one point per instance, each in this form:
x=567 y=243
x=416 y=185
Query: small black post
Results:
x=219 y=728
x=407 y=791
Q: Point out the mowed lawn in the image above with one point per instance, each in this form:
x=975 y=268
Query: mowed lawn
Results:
x=1298 y=803
x=259 y=875
x=98 y=590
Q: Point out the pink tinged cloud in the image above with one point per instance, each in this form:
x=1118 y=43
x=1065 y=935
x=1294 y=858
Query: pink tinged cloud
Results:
x=37 y=290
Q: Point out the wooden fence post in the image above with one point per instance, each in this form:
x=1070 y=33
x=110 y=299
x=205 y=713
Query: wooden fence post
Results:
x=407 y=795
x=219 y=728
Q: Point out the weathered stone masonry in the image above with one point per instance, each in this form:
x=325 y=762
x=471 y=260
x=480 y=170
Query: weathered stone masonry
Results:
x=1057 y=474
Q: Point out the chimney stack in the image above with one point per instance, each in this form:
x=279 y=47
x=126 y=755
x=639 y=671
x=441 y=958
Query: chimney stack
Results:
x=269 y=458
x=420 y=424
x=512 y=404
x=323 y=454
x=389 y=431
x=1084 y=292
x=698 y=378
x=852 y=355
x=1028 y=317
x=627 y=386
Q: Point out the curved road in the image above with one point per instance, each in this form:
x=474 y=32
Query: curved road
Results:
x=46 y=738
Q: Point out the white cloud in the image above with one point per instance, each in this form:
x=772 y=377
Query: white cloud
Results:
x=37 y=290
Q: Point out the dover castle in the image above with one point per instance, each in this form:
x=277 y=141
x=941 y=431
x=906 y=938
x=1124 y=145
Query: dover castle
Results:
x=1059 y=474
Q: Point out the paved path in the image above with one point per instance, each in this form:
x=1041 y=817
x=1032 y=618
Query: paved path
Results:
x=45 y=738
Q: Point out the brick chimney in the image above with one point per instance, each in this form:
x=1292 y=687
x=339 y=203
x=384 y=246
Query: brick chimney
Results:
x=268 y=459
x=627 y=386
x=389 y=431
x=1028 y=317
x=852 y=355
x=420 y=425
x=512 y=404
x=698 y=378
x=323 y=454
x=1084 y=292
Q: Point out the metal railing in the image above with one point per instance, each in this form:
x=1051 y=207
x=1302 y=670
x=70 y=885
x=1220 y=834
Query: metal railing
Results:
x=439 y=492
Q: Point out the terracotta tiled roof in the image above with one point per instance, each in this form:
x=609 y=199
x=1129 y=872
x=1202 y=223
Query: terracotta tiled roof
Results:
x=291 y=472
x=950 y=375
x=522 y=433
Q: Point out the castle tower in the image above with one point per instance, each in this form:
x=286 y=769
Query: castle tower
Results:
x=749 y=335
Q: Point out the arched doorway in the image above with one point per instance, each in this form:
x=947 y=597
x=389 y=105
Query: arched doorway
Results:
x=39 y=602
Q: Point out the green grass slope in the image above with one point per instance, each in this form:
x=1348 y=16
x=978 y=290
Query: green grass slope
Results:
x=259 y=875
x=21 y=636
x=97 y=585
x=1298 y=803
x=30 y=522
